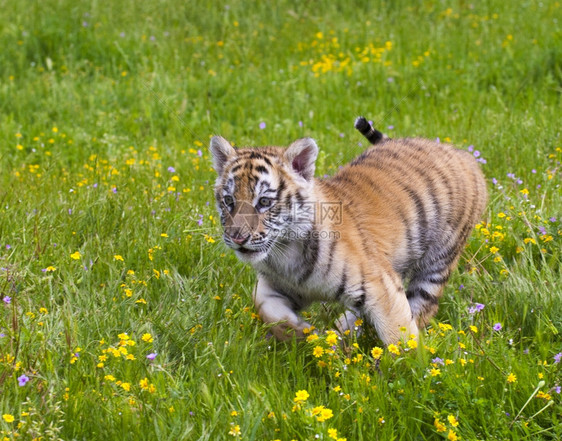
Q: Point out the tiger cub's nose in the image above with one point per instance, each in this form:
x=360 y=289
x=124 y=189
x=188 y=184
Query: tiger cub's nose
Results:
x=239 y=238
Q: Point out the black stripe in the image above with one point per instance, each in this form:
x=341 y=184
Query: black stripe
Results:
x=360 y=302
x=418 y=292
x=311 y=252
x=262 y=169
x=331 y=257
x=341 y=288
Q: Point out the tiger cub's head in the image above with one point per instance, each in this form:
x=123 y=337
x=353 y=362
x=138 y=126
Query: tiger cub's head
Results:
x=262 y=193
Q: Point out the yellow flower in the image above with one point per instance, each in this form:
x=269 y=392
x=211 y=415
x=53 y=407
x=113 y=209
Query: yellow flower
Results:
x=76 y=255
x=511 y=378
x=144 y=383
x=318 y=351
x=435 y=372
x=439 y=425
x=147 y=338
x=473 y=329
x=118 y=257
x=376 y=352
x=494 y=250
x=412 y=344
x=235 y=431
x=452 y=421
x=209 y=238
x=301 y=396
x=331 y=338
x=325 y=414
x=452 y=436
x=393 y=349
x=50 y=269
x=333 y=433
x=233 y=413
x=543 y=395
x=311 y=337
x=126 y=386
x=8 y=418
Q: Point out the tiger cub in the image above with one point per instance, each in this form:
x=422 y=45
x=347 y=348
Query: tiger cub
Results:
x=381 y=236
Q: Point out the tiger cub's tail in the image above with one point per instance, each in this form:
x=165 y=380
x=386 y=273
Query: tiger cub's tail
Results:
x=368 y=131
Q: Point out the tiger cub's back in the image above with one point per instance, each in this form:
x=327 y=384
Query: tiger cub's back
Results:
x=416 y=201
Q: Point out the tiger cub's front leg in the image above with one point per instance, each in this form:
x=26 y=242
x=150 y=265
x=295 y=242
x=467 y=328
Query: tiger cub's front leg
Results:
x=276 y=308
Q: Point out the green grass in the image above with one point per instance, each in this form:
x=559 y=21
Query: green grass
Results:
x=99 y=99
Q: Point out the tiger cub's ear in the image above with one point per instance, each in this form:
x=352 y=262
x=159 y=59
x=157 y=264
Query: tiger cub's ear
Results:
x=302 y=154
x=222 y=151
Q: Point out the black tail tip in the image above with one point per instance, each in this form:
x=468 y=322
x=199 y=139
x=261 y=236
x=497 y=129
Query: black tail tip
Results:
x=362 y=124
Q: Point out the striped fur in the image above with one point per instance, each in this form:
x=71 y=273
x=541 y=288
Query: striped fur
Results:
x=381 y=236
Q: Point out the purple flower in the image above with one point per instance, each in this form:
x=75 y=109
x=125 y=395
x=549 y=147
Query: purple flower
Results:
x=262 y=125
x=114 y=190
x=341 y=135
x=482 y=161
x=438 y=360
x=390 y=127
x=199 y=153
x=152 y=356
x=437 y=140
x=171 y=169
x=479 y=307
x=542 y=230
x=476 y=153
x=8 y=247
x=497 y=327
x=494 y=181
x=200 y=221
x=533 y=171
x=300 y=124
x=557 y=358
x=470 y=148
x=519 y=181
x=557 y=389
x=552 y=219
x=23 y=379
x=461 y=287
x=511 y=175
x=2 y=335
x=7 y=300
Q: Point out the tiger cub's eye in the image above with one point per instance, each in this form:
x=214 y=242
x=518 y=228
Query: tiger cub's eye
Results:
x=264 y=202
x=228 y=200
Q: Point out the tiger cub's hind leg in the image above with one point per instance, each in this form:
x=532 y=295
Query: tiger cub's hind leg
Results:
x=423 y=296
x=387 y=309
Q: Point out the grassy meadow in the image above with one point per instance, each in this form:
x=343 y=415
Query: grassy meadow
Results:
x=123 y=316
